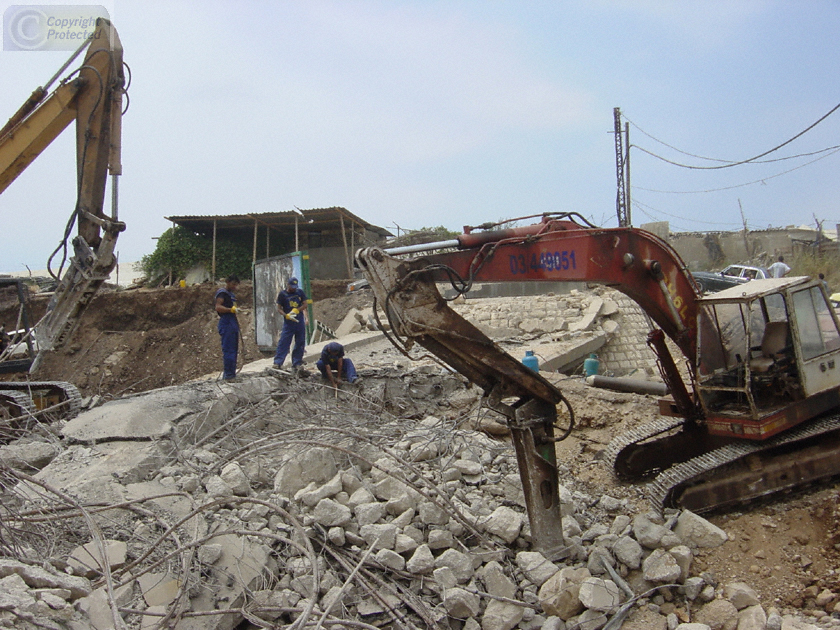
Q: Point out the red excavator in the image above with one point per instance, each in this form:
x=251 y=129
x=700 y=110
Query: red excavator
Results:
x=92 y=96
x=752 y=408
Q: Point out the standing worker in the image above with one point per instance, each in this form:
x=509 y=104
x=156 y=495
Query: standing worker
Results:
x=334 y=366
x=291 y=304
x=228 y=325
x=778 y=269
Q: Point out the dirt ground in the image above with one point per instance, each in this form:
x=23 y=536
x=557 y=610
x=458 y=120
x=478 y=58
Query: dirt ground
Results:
x=132 y=341
x=136 y=340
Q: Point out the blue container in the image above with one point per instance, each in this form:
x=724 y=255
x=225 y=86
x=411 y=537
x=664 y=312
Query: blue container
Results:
x=591 y=365
x=530 y=361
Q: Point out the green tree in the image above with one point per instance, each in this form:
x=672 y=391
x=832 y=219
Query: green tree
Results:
x=178 y=250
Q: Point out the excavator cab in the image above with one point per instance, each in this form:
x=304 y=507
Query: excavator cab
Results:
x=768 y=357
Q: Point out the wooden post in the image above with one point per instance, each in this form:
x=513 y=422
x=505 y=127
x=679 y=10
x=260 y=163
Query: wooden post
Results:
x=748 y=253
x=213 y=270
x=255 y=243
x=346 y=253
x=170 y=252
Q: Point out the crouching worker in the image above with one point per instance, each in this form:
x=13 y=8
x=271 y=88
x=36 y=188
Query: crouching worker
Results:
x=228 y=325
x=334 y=366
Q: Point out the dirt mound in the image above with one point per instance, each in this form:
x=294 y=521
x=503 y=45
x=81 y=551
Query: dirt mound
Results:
x=136 y=340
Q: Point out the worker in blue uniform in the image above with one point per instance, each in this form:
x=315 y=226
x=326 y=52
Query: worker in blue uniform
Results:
x=228 y=325
x=334 y=366
x=291 y=304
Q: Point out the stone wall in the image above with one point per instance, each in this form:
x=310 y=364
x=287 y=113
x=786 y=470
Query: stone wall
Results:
x=714 y=250
x=569 y=315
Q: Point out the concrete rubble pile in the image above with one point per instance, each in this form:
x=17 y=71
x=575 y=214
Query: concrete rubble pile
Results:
x=278 y=501
x=272 y=518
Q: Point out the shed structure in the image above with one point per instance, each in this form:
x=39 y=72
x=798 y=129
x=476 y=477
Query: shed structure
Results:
x=329 y=235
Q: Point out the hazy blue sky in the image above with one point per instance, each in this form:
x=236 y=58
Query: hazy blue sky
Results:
x=450 y=113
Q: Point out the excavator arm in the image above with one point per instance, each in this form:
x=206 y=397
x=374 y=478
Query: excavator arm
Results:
x=758 y=416
x=92 y=96
x=558 y=248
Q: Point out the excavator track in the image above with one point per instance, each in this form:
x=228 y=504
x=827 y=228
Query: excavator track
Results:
x=619 y=448
x=22 y=399
x=743 y=471
x=728 y=472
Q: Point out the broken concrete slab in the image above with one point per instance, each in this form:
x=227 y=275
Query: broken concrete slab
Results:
x=589 y=317
x=86 y=560
x=38 y=577
x=159 y=589
x=192 y=411
x=98 y=609
x=28 y=456
x=150 y=416
x=95 y=473
x=570 y=354
x=240 y=557
x=355 y=321
x=178 y=505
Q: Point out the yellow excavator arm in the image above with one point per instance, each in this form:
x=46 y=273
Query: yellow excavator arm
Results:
x=91 y=95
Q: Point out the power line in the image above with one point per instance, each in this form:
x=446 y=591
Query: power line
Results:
x=757 y=181
x=641 y=205
x=731 y=164
x=701 y=157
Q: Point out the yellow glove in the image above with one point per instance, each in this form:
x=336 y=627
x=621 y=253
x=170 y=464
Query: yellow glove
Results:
x=292 y=315
x=233 y=309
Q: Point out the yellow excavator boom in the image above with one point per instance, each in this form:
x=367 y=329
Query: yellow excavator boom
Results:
x=91 y=95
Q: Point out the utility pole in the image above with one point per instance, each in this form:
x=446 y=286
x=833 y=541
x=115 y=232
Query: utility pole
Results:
x=622 y=171
x=744 y=221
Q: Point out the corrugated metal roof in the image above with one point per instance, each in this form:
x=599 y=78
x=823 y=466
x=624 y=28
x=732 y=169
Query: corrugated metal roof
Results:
x=314 y=218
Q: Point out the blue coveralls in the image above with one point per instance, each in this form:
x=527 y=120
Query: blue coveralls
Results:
x=330 y=355
x=229 y=332
x=291 y=330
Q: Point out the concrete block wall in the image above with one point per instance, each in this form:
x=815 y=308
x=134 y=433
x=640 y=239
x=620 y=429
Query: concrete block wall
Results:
x=553 y=314
x=626 y=350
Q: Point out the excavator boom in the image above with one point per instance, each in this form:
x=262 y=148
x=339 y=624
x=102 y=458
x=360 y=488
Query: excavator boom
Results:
x=92 y=96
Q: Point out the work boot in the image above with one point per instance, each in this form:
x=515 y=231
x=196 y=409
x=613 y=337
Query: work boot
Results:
x=301 y=372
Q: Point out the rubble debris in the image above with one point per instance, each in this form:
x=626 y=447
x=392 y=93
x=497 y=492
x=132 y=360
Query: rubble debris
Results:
x=275 y=502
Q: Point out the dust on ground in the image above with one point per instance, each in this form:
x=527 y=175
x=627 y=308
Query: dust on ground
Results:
x=133 y=341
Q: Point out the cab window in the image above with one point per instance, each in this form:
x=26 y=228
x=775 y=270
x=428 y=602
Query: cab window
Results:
x=817 y=330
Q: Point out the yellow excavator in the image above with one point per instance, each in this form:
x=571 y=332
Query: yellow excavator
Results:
x=92 y=95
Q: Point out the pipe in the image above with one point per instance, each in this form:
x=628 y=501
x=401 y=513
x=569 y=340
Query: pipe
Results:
x=422 y=247
x=631 y=385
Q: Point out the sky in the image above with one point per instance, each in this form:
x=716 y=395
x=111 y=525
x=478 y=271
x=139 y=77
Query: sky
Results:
x=417 y=114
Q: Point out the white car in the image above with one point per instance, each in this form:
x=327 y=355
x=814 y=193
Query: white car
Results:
x=710 y=281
